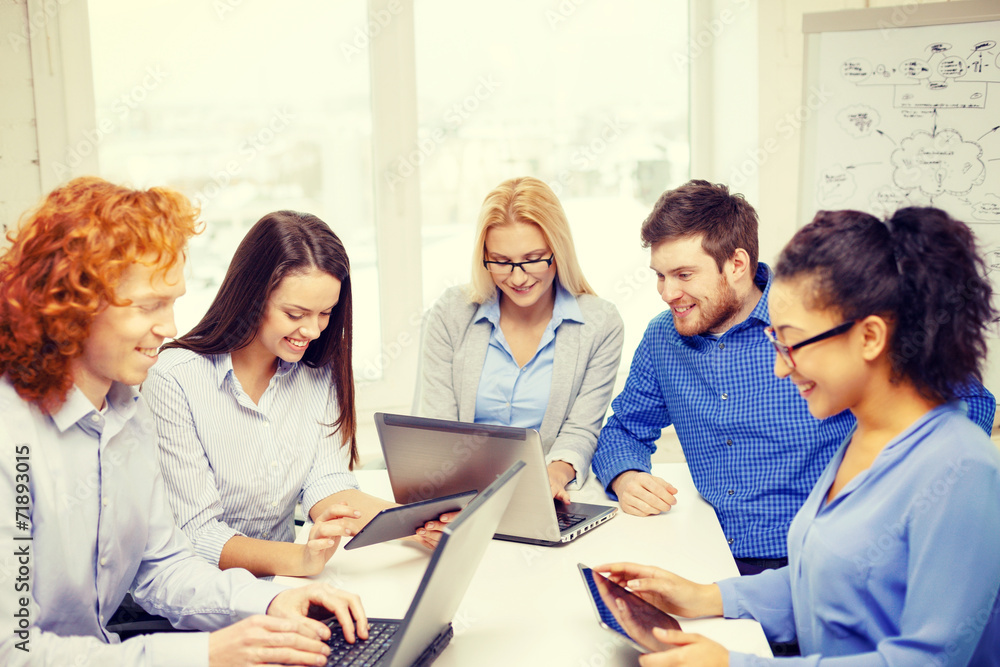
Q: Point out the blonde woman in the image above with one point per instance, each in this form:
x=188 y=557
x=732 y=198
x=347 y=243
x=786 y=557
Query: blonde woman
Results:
x=527 y=342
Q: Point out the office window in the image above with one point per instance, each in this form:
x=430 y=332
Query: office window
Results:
x=589 y=97
x=247 y=108
x=251 y=107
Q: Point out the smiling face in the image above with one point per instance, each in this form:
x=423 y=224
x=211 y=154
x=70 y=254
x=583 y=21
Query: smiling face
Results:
x=296 y=313
x=688 y=280
x=124 y=340
x=519 y=242
x=831 y=374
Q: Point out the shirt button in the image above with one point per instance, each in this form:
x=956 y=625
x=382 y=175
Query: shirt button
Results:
x=730 y=492
x=95 y=418
x=274 y=464
x=725 y=396
x=730 y=540
x=104 y=501
x=274 y=504
x=104 y=561
x=722 y=346
x=729 y=442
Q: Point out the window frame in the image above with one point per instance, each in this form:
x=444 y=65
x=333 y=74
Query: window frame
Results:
x=66 y=119
x=62 y=72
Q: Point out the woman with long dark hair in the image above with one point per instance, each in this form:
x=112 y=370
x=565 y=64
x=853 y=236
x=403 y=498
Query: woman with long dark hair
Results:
x=255 y=406
x=893 y=557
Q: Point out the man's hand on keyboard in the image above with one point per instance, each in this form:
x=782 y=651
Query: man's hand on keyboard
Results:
x=294 y=604
x=266 y=640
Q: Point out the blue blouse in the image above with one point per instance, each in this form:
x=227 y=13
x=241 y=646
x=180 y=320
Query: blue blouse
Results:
x=511 y=395
x=901 y=568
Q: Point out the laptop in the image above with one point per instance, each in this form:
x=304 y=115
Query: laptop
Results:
x=625 y=614
x=427 y=458
x=425 y=631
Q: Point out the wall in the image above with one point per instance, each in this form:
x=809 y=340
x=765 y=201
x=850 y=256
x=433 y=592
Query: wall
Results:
x=47 y=108
x=779 y=89
x=20 y=181
x=724 y=93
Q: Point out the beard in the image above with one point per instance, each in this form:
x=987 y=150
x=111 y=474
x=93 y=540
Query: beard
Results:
x=717 y=311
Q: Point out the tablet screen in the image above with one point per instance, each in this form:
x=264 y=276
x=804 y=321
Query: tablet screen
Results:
x=635 y=620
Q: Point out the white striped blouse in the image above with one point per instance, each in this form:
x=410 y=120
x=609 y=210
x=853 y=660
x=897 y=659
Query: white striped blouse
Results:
x=233 y=467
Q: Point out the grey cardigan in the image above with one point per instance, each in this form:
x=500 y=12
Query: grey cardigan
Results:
x=453 y=351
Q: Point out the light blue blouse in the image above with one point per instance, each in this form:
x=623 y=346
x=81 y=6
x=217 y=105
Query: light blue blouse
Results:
x=235 y=467
x=902 y=568
x=510 y=395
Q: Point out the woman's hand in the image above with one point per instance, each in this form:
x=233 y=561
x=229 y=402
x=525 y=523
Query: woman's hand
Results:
x=430 y=533
x=691 y=651
x=324 y=536
x=665 y=590
x=560 y=474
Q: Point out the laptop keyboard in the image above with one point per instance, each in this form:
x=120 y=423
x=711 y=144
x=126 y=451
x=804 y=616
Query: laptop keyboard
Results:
x=567 y=520
x=366 y=652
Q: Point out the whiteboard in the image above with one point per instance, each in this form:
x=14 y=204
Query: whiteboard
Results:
x=901 y=107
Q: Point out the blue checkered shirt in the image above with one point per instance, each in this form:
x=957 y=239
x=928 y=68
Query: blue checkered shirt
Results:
x=753 y=449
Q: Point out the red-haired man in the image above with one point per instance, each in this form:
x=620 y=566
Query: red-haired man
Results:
x=87 y=290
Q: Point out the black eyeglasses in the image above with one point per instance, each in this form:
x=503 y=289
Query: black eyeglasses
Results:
x=785 y=351
x=530 y=266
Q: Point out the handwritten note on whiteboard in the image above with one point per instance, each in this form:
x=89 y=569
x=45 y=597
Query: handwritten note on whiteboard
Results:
x=913 y=118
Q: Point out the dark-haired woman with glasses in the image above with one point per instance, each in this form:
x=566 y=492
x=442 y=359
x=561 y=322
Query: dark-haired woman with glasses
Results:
x=894 y=558
x=255 y=406
x=527 y=343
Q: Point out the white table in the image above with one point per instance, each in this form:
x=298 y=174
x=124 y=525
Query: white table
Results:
x=528 y=605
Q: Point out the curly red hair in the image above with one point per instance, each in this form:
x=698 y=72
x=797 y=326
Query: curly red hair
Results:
x=63 y=266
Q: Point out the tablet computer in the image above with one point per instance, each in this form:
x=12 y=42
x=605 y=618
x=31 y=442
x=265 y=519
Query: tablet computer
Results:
x=626 y=614
x=403 y=521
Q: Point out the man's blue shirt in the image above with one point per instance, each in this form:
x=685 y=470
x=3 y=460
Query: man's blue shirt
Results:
x=753 y=449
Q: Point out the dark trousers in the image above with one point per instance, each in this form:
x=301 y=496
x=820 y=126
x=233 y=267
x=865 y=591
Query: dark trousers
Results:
x=748 y=566
x=130 y=620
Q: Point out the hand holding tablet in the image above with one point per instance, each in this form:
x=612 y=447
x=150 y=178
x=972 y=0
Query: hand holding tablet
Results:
x=404 y=520
x=625 y=613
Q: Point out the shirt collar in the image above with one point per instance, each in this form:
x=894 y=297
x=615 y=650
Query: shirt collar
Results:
x=565 y=307
x=121 y=398
x=224 y=366
x=761 y=279
x=759 y=315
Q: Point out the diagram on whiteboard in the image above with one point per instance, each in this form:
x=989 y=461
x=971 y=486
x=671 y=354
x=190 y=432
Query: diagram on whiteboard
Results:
x=913 y=119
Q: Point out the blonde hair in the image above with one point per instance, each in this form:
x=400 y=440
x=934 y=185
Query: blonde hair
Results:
x=526 y=200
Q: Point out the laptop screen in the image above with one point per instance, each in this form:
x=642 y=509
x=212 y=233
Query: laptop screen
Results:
x=452 y=567
x=626 y=613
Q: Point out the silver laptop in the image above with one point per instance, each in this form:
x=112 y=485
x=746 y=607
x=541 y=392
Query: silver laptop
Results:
x=419 y=638
x=427 y=458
